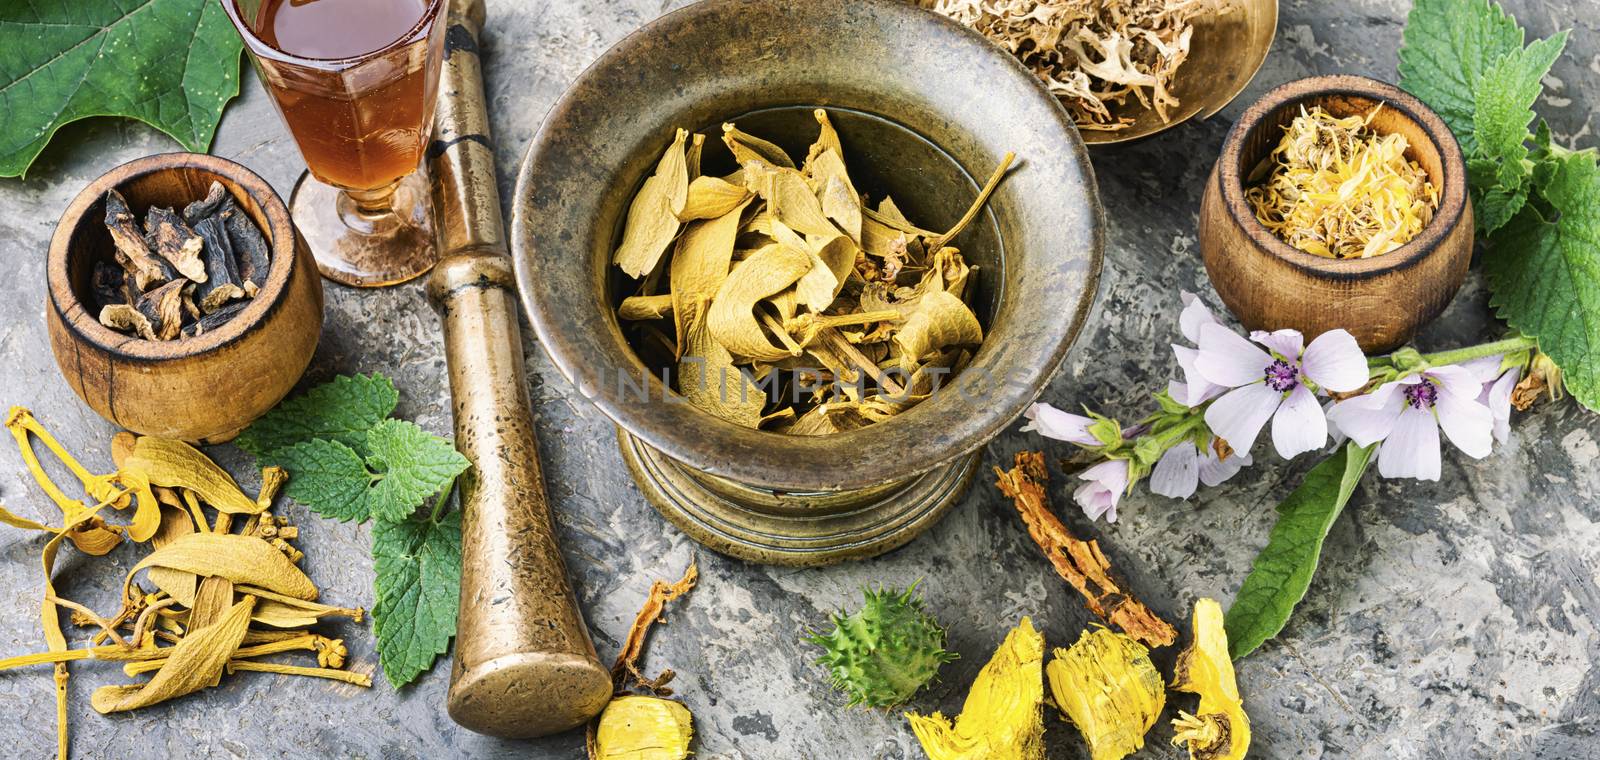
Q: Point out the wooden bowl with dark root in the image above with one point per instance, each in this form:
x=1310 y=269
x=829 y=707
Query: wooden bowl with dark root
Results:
x=1382 y=300
x=204 y=388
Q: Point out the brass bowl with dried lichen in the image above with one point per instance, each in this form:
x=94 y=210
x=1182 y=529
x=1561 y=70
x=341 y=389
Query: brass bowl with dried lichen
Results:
x=926 y=109
x=1225 y=53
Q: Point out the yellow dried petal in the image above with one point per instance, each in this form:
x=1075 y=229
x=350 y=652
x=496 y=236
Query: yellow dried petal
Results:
x=711 y=197
x=195 y=663
x=175 y=464
x=642 y=728
x=1219 y=729
x=940 y=321
x=1107 y=686
x=1003 y=717
x=747 y=147
x=653 y=216
x=245 y=560
x=732 y=317
x=789 y=198
x=699 y=265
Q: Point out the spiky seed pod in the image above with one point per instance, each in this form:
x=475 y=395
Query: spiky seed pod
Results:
x=884 y=652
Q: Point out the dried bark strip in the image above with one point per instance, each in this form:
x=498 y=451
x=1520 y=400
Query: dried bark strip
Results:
x=1080 y=562
x=627 y=664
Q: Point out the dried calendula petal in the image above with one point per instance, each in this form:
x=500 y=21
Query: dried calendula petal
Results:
x=175 y=464
x=196 y=663
x=642 y=728
x=653 y=216
x=732 y=317
x=1219 y=729
x=1003 y=717
x=1107 y=686
x=245 y=560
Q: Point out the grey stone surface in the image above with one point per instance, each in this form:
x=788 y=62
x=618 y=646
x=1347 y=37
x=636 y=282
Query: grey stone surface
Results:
x=1450 y=619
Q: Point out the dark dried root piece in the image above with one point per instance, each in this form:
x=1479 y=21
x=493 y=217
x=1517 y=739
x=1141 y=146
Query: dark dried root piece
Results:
x=163 y=307
x=209 y=206
x=132 y=253
x=173 y=240
x=126 y=319
x=1079 y=562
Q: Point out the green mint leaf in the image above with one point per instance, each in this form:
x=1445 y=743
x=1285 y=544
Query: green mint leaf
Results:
x=327 y=476
x=413 y=465
x=1505 y=97
x=418 y=590
x=1545 y=275
x=172 y=64
x=1504 y=103
x=343 y=410
x=1283 y=570
x=1447 y=46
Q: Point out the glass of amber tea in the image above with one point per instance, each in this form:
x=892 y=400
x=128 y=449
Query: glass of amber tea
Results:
x=355 y=81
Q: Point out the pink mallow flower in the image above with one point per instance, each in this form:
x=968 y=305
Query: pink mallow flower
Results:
x=1107 y=482
x=1195 y=389
x=1274 y=385
x=1407 y=415
x=1180 y=471
x=1497 y=396
x=1051 y=422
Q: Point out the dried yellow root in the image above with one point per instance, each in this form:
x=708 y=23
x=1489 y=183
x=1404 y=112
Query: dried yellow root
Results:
x=1107 y=686
x=213 y=584
x=1219 y=730
x=1003 y=717
x=642 y=728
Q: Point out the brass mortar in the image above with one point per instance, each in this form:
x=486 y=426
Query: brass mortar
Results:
x=925 y=109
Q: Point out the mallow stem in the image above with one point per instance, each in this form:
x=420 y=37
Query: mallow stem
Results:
x=1456 y=356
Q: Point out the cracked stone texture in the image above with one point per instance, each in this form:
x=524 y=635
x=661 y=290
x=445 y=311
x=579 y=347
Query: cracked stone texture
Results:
x=1450 y=619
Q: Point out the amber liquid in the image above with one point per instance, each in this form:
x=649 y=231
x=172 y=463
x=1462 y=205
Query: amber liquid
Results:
x=361 y=114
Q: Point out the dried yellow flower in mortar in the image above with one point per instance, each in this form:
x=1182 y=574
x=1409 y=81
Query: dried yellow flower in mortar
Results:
x=1003 y=717
x=1107 y=686
x=1219 y=730
x=1340 y=190
x=642 y=728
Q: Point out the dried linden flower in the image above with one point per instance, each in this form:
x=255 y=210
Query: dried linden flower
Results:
x=1107 y=686
x=1219 y=730
x=1003 y=717
x=1340 y=190
x=642 y=728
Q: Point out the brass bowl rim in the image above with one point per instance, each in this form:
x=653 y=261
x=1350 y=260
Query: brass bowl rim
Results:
x=1100 y=138
x=1453 y=195
x=81 y=323
x=789 y=463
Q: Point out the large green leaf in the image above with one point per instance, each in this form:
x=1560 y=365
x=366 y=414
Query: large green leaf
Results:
x=1283 y=570
x=418 y=586
x=1545 y=274
x=1448 y=45
x=172 y=64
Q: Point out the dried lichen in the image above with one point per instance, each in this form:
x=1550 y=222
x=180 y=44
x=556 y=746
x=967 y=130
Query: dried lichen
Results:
x=1333 y=187
x=1093 y=54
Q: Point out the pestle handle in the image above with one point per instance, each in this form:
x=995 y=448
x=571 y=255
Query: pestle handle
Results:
x=524 y=663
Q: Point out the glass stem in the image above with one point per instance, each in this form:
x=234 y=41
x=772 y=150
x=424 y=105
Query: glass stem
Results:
x=375 y=202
